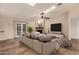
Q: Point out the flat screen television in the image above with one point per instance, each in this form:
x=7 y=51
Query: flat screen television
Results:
x=56 y=27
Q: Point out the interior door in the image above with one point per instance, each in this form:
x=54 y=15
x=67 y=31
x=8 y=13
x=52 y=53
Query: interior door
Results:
x=20 y=28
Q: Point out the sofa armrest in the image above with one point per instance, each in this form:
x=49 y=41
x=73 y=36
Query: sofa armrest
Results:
x=49 y=47
x=37 y=46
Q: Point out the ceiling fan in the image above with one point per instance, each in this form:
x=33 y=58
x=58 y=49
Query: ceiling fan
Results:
x=43 y=14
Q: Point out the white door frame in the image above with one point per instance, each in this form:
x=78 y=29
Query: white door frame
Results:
x=15 y=27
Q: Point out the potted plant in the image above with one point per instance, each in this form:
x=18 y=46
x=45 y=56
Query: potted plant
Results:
x=30 y=29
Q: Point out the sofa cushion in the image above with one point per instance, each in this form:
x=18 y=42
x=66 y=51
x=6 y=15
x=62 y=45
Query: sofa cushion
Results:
x=35 y=35
x=50 y=47
x=44 y=38
x=37 y=46
x=51 y=36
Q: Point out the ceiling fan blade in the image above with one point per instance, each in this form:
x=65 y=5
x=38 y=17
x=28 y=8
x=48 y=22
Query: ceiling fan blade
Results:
x=47 y=18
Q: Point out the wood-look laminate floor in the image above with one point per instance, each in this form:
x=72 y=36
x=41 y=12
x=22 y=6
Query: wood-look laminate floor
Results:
x=14 y=47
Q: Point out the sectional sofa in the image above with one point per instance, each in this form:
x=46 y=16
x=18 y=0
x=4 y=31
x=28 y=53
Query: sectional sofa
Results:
x=43 y=44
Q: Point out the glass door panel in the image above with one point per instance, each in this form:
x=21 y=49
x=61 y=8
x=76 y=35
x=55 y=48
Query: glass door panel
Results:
x=19 y=29
x=24 y=28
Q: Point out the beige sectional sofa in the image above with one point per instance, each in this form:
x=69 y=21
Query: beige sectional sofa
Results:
x=43 y=48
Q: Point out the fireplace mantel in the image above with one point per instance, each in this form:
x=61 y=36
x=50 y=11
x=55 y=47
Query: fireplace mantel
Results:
x=40 y=28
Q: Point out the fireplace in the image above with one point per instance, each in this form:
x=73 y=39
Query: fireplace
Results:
x=39 y=29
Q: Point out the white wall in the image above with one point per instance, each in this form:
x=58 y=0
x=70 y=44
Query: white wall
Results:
x=1 y=29
x=7 y=25
x=75 y=28
x=75 y=23
x=78 y=29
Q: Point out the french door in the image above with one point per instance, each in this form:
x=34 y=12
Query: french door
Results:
x=20 y=28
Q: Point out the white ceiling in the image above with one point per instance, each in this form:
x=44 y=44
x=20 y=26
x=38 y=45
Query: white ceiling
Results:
x=25 y=11
x=43 y=6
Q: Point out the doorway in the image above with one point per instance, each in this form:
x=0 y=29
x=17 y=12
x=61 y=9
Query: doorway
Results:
x=20 y=28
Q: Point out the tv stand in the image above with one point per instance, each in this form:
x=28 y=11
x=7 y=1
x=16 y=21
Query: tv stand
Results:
x=53 y=32
x=57 y=34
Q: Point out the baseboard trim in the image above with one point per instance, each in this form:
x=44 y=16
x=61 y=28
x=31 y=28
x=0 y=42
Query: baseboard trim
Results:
x=9 y=38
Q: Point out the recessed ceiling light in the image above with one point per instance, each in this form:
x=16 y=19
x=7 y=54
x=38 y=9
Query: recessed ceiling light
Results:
x=52 y=8
x=32 y=4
